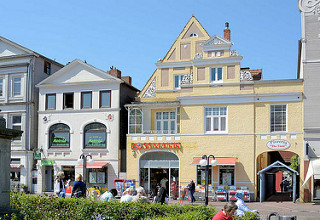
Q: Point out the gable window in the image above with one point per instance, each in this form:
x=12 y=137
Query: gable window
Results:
x=278 y=118
x=193 y=35
x=95 y=135
x=51 y=101
x=105 y=99
x=68 y=101
x=86 y=99
x=16 y=86
x=47 y=67
x=216 y=74
x=165 y=122
x=16 y=124
x=216 y=119
x=59 y=136
x=177 y=81
x=135 y=121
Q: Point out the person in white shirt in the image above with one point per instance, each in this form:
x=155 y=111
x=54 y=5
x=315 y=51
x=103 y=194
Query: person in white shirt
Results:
x=127 y=195
x=242 y=207
x=60 y=186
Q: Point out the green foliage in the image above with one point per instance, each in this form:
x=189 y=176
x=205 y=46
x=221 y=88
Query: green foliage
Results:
x=295 y=162
x=247 y=216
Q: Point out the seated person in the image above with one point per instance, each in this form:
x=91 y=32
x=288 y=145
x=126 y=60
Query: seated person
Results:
x=127 y=195
x=108 y=196
x=141 y=195
x=242 y=207
x=227 y=212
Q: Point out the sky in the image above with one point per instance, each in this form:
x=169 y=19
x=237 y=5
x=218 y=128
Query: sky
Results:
x=133 y=35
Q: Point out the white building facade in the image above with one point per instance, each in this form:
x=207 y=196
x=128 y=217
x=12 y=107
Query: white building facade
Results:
x=80 y=111
x=20 y=70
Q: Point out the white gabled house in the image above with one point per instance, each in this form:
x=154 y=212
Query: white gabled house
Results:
x=81 y=111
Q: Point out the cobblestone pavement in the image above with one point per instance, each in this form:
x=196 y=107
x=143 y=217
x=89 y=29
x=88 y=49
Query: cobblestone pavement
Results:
x=303 y=211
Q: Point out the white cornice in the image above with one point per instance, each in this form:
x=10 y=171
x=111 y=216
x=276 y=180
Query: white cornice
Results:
x=247 y=98
x=308 y=5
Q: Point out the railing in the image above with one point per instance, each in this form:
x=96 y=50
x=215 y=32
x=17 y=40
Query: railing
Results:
x=156 y=132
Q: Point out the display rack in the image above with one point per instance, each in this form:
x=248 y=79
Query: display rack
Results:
x=221 y=193
x=246 y=194
x=232 y=193
x=119 y=185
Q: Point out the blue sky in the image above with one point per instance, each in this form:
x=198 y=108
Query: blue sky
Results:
x=133 y=35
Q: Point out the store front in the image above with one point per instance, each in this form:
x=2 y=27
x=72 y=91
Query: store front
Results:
x=313 y=174
x=159 y=168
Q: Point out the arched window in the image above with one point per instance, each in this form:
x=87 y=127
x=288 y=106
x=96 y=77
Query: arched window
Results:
x=193 y=35
x=59 y=135
x=135 y=121
x=95 y=136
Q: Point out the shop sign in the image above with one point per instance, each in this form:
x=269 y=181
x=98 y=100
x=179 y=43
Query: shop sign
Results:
x=37 y=156
x=59 y=141
x=47 y=162
x=95 y=141
x=278 y=144
x=138 y=146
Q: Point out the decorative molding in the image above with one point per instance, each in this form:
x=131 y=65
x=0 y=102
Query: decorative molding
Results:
x=245 y=76
x=198 y=56
x=234 y=53
x=308 y=6
x=187 y=79
x=151 y=91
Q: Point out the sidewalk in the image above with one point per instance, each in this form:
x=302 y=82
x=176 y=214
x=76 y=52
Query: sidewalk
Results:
x=303 y=211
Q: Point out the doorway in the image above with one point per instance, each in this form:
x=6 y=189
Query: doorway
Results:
x=49 y=178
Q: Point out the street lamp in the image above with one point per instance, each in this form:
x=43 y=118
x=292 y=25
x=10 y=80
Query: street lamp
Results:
x=205 y=162
x=83 y=160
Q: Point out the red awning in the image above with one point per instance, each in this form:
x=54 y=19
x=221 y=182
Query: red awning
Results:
x=96 y=165
x=231 y=161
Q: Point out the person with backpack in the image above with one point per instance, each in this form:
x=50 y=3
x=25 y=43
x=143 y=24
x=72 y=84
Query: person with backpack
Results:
x=79 y=187
x=60 y=186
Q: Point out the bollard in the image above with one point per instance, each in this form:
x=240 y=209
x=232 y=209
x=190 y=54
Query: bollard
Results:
x=281 y=217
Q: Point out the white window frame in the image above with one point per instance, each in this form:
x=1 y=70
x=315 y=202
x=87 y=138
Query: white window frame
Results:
x=212 y=121
x=16 y=124
x=135 y=124
x=270 y=125
x=179 y=82
x=12 y=85
x=169 y=120
x=216 y=75
x=3 y=87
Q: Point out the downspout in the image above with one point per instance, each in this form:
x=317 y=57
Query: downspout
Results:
x=254 y=147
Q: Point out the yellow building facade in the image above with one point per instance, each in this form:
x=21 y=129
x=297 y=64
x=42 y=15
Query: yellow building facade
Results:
x=199 y=101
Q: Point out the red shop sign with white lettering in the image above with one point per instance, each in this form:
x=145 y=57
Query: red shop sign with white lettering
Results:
x=138 y=146
x=278 y=144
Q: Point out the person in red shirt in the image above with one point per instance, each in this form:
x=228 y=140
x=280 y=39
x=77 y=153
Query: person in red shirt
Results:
x=227 y=212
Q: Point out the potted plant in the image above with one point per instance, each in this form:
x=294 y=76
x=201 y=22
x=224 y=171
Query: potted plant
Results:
x=24 y=188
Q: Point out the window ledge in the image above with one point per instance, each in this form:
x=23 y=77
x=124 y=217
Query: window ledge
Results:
x=95 y=150
x=63 y=150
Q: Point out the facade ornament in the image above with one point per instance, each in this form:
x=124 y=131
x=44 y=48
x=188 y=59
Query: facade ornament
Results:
x=187 y=79
x=110 y=117
x=198 y=56
x=245 y=76
x=310 y=6
x=151 y=91
x=234 y=53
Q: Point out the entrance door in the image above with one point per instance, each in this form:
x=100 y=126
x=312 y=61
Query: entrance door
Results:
x=49 y=178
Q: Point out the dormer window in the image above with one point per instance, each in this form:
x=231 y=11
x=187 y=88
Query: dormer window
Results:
x=193 y=35
x=217 y=53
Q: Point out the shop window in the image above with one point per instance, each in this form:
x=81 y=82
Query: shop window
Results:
x=216 y=75
x=98 y=175
x=201 y=175
x=68 y=101
x=278 y=118
x=316 y=188
x=15 y=176
x=165 y=122
x=69 y=172
x=105 y=99
x=135 y=121
x=50 y=101
x=47 y=67
x=59 y=136
x=177 y=81
x=226 y=175
x=16 y=86
x=95 y=136
x=86 y=99
x=216 y=119
x=16 y=124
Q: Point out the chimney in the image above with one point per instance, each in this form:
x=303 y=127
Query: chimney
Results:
x=226 y=32
x=127 y=79
x=114 y=72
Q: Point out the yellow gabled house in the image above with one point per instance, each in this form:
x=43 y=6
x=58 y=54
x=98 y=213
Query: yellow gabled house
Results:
x=199 y=101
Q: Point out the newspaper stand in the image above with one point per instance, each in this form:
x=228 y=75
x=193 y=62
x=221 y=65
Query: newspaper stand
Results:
x=129 y=183
x=221 y=193
x=246 y=194
x=232 y=193
x=119 y=186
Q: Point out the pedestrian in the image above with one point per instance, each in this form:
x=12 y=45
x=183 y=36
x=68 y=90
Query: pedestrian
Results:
x=242 y=207
x=161 y=196
x=227 y=212
x=192 y=188
x=78 y=187
x=127 y=195
x=109 y=196
x=60 y=186
x=141 y=195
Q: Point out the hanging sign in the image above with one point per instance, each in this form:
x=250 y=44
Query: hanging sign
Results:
x=138 y=146
x=47 y=162
x=278 y=144
x=37 y=156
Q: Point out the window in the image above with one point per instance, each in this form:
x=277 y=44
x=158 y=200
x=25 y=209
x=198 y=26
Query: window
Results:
x=105 y=99
x=193 y=35
x=95 y=135
x=86 y=99
x=16 y=86
x=50 y=101
x=97 y=175
x=59 y=135
x=216 y=119
x=165 y=122
x=201 y=175
x=216 y=53
x=278 y=118
x=68 y=100
x=1 y=86
x=177 y=81
x=47 y=67
x=16 y=124
x=135 y=121
x=216 y=74
x=226 y=175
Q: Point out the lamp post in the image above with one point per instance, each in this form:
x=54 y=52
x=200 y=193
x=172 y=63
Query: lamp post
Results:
x=205 y=162
x=83 y=160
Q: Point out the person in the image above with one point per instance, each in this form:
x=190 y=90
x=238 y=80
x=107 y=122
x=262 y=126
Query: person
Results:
x=163 y=182
x=78 y=187
x=242 y=207
x=192 y=188
x=127 y=195
x=60 y=186
x=227 y=212
x=161 y=196
x=108 y=196
x=141 y=195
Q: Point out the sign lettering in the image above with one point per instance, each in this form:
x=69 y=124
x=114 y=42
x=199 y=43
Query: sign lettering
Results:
x=138 y=146
x=278 y=144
